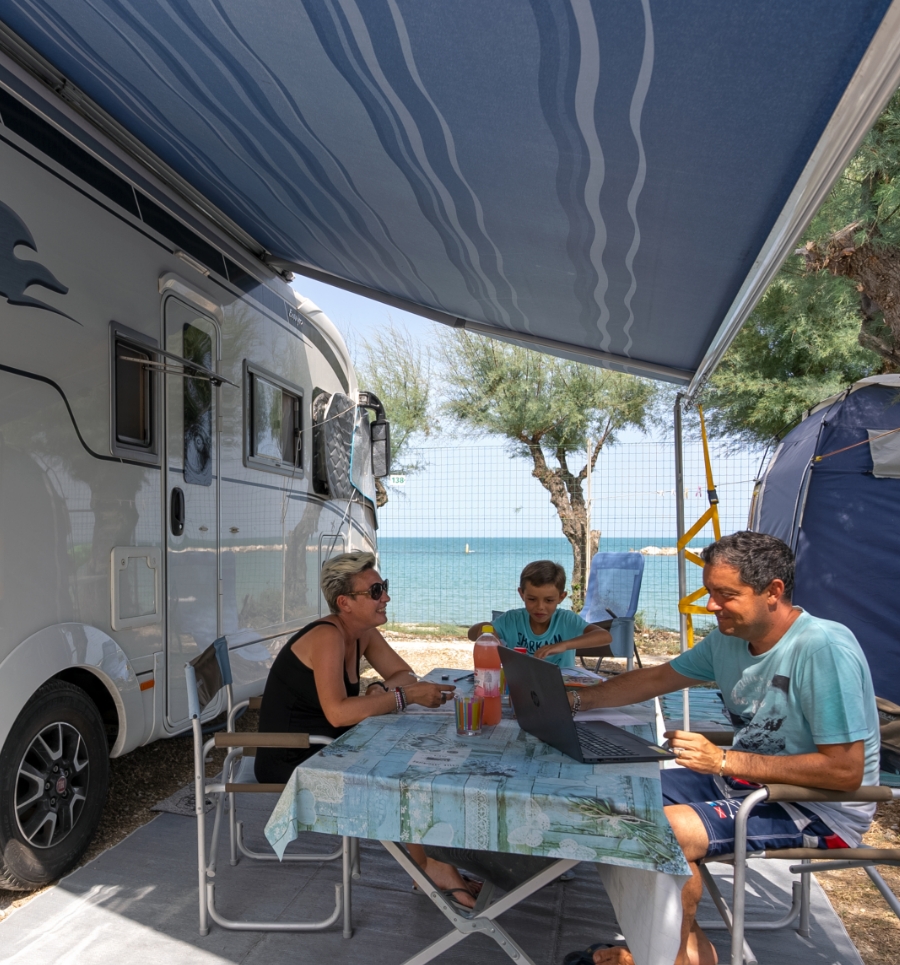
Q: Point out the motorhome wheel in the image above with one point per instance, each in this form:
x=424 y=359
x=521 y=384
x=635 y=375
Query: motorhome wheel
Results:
x=54 y=774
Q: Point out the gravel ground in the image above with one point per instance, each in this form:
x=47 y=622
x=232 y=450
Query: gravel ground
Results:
x=150 y=774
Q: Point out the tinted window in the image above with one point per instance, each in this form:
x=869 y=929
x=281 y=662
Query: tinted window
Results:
x=133 y=403
x=275 y=423
x=197 y=409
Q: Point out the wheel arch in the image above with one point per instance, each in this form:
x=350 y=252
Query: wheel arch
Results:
x=86 y=657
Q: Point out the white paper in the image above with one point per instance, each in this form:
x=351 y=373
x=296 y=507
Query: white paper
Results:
x=439 y=760
x=613 y=715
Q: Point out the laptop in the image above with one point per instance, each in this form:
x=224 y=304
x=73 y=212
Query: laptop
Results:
x=542 y=709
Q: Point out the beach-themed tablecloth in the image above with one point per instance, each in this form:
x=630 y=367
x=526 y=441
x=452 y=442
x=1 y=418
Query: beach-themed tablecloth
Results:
x=410 y=778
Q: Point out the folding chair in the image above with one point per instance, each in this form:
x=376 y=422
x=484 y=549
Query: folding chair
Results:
x=811 y=859
x=206 y=675
x=612 y=593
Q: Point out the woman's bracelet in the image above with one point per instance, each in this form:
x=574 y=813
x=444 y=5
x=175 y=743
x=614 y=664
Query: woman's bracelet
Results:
x=576 y=702
x=379 y=683
x=399 y=701
x=403 y=699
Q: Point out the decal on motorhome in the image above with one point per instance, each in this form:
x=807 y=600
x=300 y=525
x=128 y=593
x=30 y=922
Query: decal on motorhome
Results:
x=16 y=274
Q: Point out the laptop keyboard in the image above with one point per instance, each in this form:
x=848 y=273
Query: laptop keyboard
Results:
x=596 y=746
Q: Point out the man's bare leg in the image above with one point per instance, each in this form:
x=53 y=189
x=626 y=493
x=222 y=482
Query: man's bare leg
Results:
x=695 y=948
x=444 y=875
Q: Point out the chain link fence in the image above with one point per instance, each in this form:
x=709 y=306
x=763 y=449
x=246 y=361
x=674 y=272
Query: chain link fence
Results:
x=455 y=535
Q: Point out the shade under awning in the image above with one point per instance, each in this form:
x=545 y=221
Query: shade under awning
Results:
x=610 y=179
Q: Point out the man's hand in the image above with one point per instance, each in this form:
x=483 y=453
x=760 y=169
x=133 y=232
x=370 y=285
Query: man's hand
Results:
x=694 y=751
x=545 y=651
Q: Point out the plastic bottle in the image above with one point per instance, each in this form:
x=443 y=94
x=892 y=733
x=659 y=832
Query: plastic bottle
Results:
x=487 y=674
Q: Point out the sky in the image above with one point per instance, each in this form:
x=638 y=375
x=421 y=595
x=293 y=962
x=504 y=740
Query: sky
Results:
x=472 y=486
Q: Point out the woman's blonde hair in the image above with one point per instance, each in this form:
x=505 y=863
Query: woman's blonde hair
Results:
x=336 y=578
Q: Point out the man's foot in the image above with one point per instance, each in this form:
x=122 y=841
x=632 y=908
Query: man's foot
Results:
x=700 y=950
x=612 y=955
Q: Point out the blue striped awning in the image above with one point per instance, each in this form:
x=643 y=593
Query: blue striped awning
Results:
x=610 y=179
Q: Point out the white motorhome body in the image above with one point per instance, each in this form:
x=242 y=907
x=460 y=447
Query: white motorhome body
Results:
x=157 y=476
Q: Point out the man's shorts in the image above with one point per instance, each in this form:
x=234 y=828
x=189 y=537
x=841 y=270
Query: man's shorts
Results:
x=717 y=799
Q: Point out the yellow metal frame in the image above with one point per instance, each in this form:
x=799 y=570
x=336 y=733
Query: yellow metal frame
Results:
x=687 y=605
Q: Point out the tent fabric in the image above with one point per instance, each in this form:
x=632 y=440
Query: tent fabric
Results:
x=595 y=172
x=845 y=532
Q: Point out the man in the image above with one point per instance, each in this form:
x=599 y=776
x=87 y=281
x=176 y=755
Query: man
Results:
x=800 y=695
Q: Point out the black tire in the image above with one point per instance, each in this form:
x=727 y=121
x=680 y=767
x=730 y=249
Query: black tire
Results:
x=54 y=777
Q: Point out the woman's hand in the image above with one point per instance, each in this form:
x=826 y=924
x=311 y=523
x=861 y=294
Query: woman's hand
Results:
x=428 y=695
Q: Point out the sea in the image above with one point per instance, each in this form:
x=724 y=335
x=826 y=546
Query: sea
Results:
x=461 y=581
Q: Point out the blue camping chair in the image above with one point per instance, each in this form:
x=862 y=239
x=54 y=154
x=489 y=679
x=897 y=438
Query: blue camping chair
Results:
x=611 y=599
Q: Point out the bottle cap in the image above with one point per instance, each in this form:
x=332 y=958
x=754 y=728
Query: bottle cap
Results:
x=487 y=628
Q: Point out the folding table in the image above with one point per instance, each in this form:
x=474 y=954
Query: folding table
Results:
x=408 y=778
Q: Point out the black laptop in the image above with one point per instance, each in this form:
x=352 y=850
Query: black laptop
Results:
x=542 y=709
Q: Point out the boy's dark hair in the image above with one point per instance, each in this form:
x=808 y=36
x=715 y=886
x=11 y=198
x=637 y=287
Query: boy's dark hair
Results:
x=758 y=558
x=542 y=572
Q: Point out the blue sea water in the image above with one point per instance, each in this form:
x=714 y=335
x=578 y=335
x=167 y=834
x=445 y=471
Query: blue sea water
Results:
x=434 y=580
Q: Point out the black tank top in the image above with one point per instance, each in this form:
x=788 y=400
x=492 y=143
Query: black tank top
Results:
x=291 y=705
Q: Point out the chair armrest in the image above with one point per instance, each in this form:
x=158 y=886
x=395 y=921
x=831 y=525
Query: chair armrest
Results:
x=793 y=793
x=241 y=739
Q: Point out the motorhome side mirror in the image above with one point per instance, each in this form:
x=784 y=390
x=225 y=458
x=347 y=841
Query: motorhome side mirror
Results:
x=380 y=431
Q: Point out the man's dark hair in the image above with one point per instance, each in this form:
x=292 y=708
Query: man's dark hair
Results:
x=758 y=558
x=543 y=573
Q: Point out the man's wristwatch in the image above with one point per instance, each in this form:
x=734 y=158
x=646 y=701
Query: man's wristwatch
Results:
x=576 y=702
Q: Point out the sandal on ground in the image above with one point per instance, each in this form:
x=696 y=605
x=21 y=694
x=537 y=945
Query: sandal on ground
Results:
x=586 y=957
x=448 y=894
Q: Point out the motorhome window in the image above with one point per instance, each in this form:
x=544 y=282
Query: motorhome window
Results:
x=275 y=436
x=198 y=410
x=133 y=403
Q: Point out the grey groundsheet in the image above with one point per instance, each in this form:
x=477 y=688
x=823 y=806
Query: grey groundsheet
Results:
x=137 y=903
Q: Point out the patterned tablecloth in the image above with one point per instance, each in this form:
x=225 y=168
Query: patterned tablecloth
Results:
x=410 y=778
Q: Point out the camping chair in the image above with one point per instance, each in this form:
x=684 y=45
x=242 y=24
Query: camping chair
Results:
x=811 y=859
x=206 y=675
x=611 y=601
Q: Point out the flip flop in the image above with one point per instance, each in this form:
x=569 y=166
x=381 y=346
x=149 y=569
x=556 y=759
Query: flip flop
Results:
x=586 y=957
x=448 y=893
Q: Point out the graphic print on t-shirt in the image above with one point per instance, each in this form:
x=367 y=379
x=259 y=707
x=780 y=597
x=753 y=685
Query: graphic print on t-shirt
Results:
x=759 y=730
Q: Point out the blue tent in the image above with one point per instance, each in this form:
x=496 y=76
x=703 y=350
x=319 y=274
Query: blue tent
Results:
x=832 y=491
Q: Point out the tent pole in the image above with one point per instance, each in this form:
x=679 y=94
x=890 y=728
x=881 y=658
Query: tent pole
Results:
x=682 y=563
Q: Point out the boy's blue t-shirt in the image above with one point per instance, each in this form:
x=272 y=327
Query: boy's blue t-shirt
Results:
x=813 y=687
x=514 y=630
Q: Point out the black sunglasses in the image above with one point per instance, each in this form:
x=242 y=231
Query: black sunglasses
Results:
x=375 y=591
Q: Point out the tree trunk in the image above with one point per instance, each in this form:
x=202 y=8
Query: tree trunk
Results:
x=567 y=497
x=876 y=270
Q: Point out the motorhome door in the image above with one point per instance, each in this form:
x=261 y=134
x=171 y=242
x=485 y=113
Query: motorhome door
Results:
x=191 y=515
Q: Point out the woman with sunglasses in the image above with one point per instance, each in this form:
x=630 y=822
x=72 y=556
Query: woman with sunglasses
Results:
x=313 y=686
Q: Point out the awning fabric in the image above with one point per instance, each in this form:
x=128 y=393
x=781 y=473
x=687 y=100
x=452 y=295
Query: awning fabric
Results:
x=600 y=174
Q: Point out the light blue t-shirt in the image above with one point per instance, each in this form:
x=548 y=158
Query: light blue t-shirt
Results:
x=813 y=687
x=514 y=630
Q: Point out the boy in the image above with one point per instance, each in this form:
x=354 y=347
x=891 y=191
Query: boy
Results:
x=541 y=628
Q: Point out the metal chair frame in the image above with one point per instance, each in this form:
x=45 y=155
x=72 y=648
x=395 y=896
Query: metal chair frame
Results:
x=810 y=859
x=239 y=745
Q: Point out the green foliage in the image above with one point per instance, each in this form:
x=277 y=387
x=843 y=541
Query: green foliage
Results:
x=798 y=347
x=393 y=365
x=801 y=343
x=535 y=399
x=868 y=192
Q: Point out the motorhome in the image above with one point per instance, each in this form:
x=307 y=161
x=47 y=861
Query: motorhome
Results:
x=181 y=448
